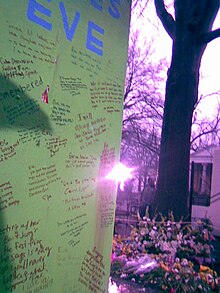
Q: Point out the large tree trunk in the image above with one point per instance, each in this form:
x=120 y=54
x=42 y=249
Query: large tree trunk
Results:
x=181 y=95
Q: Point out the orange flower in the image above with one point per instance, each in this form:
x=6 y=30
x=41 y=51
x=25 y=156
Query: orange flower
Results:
x=204 y=268
x=164 y=267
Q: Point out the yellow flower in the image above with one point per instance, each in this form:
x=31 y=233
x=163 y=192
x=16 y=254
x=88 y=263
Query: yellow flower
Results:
x=163 y=287
x=204 y=268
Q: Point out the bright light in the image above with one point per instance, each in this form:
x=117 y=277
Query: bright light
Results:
x=112 y=287
x=120 y=173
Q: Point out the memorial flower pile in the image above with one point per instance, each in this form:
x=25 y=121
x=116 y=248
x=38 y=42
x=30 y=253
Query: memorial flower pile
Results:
x=174 y=256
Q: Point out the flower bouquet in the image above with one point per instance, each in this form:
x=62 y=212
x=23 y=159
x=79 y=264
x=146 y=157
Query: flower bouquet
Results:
x=174 y=256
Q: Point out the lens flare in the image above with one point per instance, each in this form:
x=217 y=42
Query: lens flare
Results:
x=120 y=173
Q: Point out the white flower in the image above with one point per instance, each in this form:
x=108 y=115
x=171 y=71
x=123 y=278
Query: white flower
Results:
x=209 y=277
x=152 y=233
x=184 y=262
x=123 y=276
x=174 y=244
x=142 y=232
x=165 y=246
x=179 y=236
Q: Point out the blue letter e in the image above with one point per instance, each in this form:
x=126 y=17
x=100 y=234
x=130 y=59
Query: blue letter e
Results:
x=32 y=7
x=92 y=42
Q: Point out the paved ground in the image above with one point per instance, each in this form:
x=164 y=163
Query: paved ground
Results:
x=122 y=286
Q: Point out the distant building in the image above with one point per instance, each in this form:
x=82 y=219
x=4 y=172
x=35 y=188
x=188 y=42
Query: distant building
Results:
x=205 y=185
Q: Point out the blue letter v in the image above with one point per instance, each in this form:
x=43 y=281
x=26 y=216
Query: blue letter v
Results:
x=69 y=31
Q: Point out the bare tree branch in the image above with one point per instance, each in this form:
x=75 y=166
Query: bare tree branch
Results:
x=165 y=17
x=202 y=97
x=208 y=37
x=139 y=7
x=204 y=132
x=207 y=131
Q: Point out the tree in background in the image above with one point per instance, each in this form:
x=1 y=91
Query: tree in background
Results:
x=142 y=153
x=190 y=31
x=143 y=109
x=206 y=130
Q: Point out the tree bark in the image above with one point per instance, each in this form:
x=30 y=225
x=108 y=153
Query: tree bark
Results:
x=193 y=20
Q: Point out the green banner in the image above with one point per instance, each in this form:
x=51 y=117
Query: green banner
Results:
x=62 y=71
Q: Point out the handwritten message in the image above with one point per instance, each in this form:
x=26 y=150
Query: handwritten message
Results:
x=7 y=199
x=61 y=113
x=35 y=133
x=105 y=188
x=64 y=255
x=14 y=93
x=77 y=192
x=12 y=68
x=109 y=95
x=27 y=107
x=40 y=179
x=72 y=85
x=86 y=62
x=80 y=161
x=92 y=271
x=88 y=133
x=73 y=228
x=31 y=45
x=7 y=150
x=24 y=255
x=55 y=144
